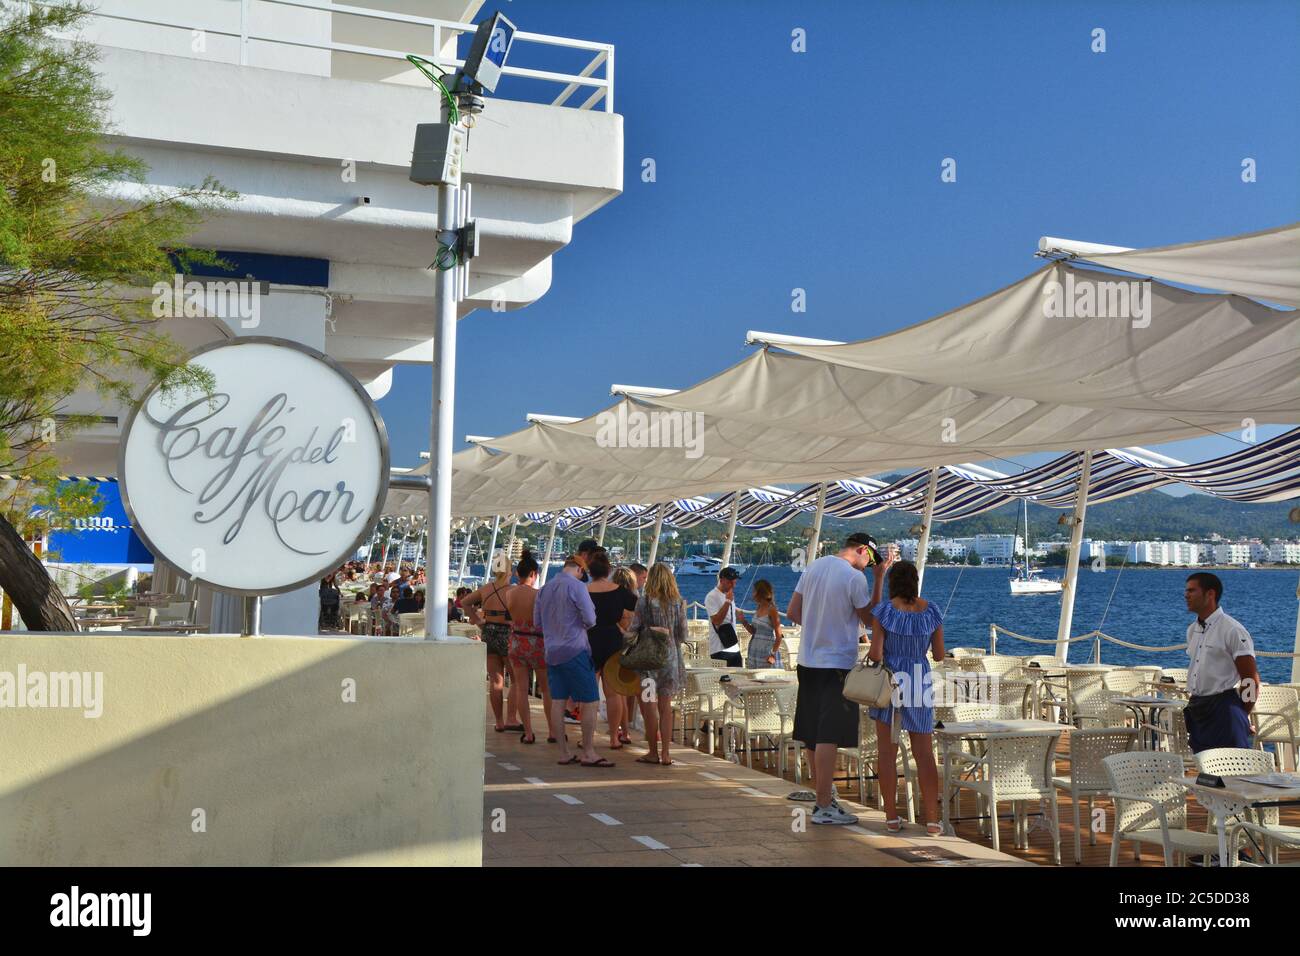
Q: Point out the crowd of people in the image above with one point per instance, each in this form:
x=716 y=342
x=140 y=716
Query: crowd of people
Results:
x=569 y=635
x=390 y=591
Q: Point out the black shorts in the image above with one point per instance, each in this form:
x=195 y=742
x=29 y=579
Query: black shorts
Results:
x=822 y=714
x=730 y=658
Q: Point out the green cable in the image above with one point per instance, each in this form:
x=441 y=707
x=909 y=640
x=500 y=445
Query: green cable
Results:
x=419 y=63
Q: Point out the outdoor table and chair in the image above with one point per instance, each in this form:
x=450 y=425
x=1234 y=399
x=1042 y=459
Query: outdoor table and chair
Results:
x=1232 y=804
x=1002 y=760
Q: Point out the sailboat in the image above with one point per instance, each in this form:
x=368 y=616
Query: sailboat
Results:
x=1026 y=580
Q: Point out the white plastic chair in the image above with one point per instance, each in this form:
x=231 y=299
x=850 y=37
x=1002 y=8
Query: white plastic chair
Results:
x=1277 y=719
x=1017 y=768
x=1151 y=806
x=1087 y=777
x=755 y=713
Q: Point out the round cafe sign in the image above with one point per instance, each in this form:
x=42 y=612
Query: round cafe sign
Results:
x=265 y=483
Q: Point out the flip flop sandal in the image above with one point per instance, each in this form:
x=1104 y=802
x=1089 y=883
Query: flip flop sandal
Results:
x=934 y=829
x=895 y=825
x=805 y=796
x=572 y=760
x=515 y=727
x=646 y=759
x=598 y=762
x=624 y=739
x=501 y=730
x=667 y=763
x=523 y=738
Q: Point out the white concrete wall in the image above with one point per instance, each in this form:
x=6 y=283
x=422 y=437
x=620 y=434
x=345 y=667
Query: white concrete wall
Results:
x=256 y=734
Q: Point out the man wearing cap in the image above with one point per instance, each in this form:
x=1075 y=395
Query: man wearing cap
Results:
x=831 y=602
x=720 y=605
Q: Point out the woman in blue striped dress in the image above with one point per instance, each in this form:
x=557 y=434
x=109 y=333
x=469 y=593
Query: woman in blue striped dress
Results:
x=903 y=629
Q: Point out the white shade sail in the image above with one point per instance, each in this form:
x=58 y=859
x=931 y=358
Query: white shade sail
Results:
x=1264 y=265
x=997 y=378
x=1025 y=369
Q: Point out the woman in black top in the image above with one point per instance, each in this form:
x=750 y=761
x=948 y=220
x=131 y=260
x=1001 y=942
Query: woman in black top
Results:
x=614 y=607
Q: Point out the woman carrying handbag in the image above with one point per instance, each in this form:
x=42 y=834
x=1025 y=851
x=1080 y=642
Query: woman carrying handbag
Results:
x=660 y=610
x=903 y=629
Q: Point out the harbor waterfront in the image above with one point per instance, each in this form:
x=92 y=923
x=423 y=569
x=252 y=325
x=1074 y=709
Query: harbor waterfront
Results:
x=1139 y=605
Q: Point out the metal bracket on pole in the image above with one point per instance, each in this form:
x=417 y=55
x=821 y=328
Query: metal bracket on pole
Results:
x=252 y=623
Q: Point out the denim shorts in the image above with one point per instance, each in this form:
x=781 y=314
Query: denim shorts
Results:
x=574 y=680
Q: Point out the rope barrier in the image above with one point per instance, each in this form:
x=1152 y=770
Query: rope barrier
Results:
x=1102 y=636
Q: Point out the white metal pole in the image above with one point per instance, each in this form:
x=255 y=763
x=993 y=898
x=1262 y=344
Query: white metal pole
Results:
x=464 y=555
x=1295 y=661
x=510 y=545
x=388 y=543
x=489 y=572
x=440 y=424
x=550 y=547
x=731 y=530
x=1072 y=563
x=927 y=516
x=420 y=552
x=371 y=550
x=815 y=541
x=604 y=523
x=654 y=541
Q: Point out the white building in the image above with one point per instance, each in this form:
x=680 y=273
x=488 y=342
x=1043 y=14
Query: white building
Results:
x=1147 y=552
x=310 y=115
x=1232 y=553
x=1284 y=552
x=998 y=548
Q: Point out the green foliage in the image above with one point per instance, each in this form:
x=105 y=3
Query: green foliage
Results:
x=81 y=240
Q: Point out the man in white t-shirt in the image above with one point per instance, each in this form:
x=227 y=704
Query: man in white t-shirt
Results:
x=720 y=605
x=831 y=602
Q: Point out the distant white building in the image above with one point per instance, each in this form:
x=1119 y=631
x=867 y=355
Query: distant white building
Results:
x=1284 y=552
x=1232 y=553
x=998 y=548
x=1258 y=551
x=907 y=548
x=1147 y=552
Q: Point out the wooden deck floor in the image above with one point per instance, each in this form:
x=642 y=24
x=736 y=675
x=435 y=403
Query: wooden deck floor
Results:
x=1039 y=850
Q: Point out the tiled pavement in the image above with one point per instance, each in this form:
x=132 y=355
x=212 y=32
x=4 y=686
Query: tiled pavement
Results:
x=702 y=810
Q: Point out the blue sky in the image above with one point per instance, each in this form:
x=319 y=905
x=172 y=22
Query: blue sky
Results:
x=820 y=170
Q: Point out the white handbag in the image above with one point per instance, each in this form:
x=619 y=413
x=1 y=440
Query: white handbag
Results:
x=870 y=684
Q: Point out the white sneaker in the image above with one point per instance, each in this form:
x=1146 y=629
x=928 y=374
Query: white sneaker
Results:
x=833 y=814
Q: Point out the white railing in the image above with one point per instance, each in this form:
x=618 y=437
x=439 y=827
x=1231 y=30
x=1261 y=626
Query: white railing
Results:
x=440 y=32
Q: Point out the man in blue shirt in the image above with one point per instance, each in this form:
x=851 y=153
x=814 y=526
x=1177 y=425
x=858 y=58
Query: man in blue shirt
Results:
x=564 y=612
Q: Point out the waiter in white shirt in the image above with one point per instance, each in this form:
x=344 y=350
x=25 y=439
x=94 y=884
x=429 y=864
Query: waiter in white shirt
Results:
x=1223 y=679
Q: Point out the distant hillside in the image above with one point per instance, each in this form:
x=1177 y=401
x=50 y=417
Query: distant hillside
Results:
x=1152 y=515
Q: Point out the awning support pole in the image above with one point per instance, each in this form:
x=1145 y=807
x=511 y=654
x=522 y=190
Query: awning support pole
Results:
x=731 y=530
x=927 y=517
x=654 y=540
x=489 y=571
x=550 y=546
x=464 y=554
x=604 y=522
x=815 y=541
x=1072 y=563
x=1295 y=661
x=510 y=545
